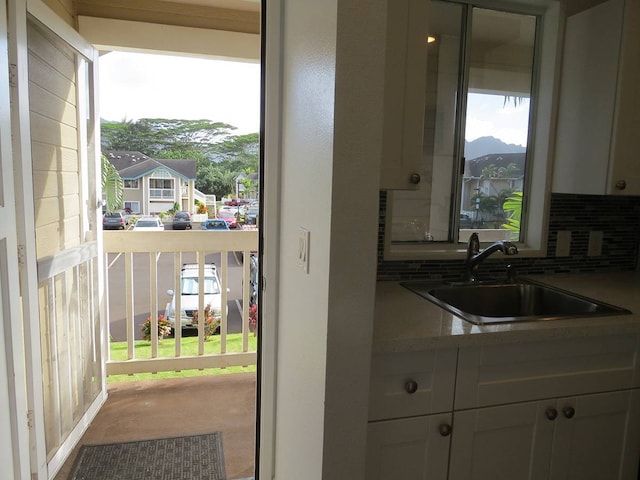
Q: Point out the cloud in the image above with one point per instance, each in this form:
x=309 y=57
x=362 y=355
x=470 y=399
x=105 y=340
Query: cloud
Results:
x=134 y=86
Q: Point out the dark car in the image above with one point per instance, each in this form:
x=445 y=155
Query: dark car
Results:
x=465 y=221
x=181 y=221
x=215 y=224
x=114 y=221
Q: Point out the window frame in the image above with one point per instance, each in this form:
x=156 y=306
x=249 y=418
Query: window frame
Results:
x=544 y=93
x=129 y=187
x=131 y=203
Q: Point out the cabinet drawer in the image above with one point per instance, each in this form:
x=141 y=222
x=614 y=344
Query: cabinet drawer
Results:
x=410 y=384
x=499 y=374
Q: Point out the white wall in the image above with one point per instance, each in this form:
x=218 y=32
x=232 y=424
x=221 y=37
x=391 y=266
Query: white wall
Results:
x=330 y=133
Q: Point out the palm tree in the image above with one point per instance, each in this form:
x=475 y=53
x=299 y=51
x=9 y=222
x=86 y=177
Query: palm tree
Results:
x=112 y=186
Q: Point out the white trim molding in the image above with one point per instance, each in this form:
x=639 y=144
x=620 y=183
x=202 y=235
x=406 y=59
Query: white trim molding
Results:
x=124 y=35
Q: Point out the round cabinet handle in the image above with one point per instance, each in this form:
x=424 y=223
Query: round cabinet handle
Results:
x=568 y=412
x=444 y=429
x=621 y=185
x=551 y=413
x=411 y=386
x=414 y=178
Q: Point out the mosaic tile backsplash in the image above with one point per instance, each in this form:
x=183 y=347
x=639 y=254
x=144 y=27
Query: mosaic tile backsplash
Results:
x=617 y=217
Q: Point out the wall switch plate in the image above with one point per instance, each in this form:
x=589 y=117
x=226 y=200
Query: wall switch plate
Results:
x=595 y=243
x=303 y=249
x=563 y=245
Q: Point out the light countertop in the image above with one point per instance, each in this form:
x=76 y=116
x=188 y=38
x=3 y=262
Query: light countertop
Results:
x=404 y=321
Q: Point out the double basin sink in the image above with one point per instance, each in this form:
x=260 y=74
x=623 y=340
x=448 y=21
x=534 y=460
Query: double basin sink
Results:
x=491 y=303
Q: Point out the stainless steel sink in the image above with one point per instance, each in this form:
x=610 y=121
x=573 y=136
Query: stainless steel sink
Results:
x=489 y=303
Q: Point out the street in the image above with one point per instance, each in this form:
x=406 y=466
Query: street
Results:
x=141 y=296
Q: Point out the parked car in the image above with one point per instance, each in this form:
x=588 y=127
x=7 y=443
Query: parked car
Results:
x=181 y=221
x=465 y=221
x=239 y=209
x=251 y=216
x=189 y=293
x=215 y=224
x=149 y=224
x=230 y=218
x=114 y=221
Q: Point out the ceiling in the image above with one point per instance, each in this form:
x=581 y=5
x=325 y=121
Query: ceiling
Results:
x=227 y=15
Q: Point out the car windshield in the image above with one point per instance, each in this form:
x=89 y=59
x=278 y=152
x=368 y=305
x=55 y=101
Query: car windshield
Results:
x=215 y=225
x=189 y=286
x=146 y=223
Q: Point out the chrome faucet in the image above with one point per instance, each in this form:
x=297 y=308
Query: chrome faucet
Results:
x=475 y=257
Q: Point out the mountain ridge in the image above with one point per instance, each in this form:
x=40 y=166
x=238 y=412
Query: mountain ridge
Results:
x=487 y=145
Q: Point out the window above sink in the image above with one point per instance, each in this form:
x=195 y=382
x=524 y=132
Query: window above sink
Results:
x=480 y=56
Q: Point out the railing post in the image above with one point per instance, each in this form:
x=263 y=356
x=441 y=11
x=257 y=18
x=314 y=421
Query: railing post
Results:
x=128 y=282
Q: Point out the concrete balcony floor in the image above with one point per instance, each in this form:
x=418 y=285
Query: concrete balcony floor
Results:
x=147 y=409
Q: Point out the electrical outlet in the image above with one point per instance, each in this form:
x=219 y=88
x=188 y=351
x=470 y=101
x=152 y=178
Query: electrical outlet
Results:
x=303 y=249
x=595 y=243
x=563 y=245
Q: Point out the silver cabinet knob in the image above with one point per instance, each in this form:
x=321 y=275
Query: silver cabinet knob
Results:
x=621 y=185
x=414 y=178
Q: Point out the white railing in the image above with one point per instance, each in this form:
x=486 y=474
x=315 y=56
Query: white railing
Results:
x=137 y=248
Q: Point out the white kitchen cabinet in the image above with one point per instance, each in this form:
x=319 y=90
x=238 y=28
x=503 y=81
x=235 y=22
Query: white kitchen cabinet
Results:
x=553 y=409
x=585 y=437
x=412 y=383
x=506 y=442
x=404 y=92
x=599 y=103
x=415 y=448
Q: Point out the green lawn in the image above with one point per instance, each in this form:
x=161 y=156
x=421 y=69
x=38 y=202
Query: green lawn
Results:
x=189 y=347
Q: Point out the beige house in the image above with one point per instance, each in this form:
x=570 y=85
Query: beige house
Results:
x=152 y=185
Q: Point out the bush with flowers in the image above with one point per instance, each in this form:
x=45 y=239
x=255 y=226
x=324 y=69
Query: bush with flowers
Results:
x=211 y=323
x=253 y=318
x=164 y=328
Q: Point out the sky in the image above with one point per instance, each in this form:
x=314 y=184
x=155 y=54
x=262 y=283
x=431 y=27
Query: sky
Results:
x=488 y=116
x=134 y=86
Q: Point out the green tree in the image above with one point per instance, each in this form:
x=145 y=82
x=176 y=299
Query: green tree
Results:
x=513 y=206
x=112 y=185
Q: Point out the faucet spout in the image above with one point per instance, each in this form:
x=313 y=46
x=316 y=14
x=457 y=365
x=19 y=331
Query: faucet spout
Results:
x=475 y=256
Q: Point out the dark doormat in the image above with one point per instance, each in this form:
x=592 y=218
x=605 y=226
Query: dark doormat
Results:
x=198 y=457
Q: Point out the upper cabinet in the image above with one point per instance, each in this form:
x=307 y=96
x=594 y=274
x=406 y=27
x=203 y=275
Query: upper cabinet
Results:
x=598 y=128
x=405 y=73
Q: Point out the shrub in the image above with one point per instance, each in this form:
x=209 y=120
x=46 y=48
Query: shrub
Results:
x=211 y=323
x=164 y=328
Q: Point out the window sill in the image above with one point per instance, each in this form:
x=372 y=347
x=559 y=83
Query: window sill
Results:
x=446 y=251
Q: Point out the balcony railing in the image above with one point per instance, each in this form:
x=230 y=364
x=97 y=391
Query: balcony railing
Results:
x=175 y=248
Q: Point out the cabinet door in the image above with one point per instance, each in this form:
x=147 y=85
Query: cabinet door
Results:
x=597 y=437
x=507 y=442
x=414 y=448
x=586 y=104
x=404 y=85
x=624 y=174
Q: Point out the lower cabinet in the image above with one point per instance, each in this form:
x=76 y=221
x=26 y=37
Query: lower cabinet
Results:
x=414 y=448
x=549 y=410
x=585 y=437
